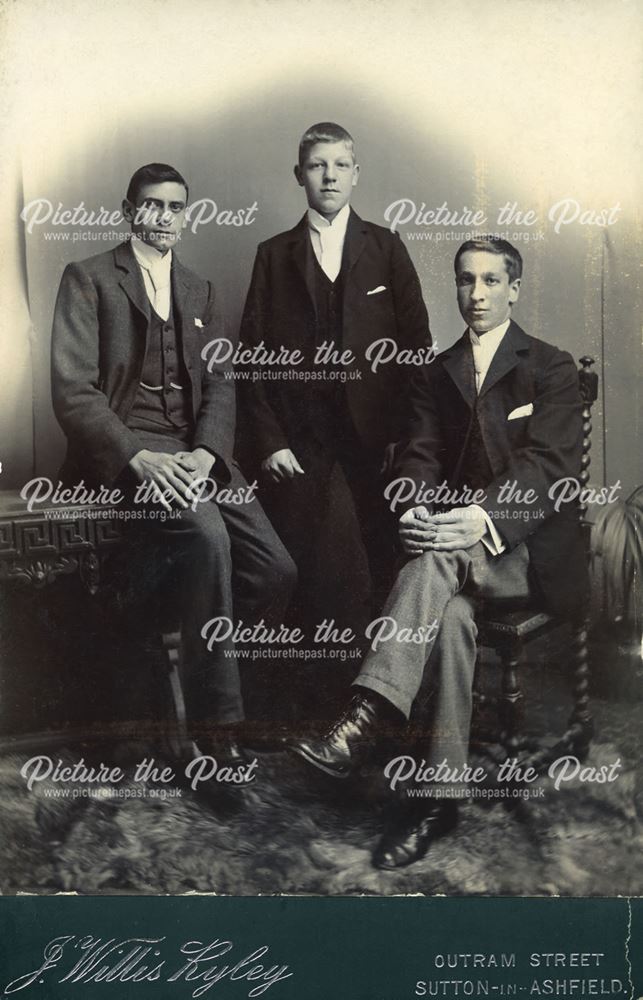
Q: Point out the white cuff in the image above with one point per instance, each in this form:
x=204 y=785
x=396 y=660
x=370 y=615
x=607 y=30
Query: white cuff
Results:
x=491 y=539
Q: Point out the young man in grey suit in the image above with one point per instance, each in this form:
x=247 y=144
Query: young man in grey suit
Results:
x=139 y=405
x=498 y=417
x=338 y=281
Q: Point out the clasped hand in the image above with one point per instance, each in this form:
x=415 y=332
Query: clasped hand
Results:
x=172 y=475
x=459 y=528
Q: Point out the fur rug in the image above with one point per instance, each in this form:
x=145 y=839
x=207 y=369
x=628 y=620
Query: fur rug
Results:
x=297 y=833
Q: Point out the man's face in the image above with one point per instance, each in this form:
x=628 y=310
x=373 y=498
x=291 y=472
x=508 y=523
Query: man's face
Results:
x=485 y=292
x=159 y=214
x=328 y=174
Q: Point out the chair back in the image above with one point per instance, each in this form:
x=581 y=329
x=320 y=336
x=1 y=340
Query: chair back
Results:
x=588 y=381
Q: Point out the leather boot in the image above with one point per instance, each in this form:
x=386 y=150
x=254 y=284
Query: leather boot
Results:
x=351 y=740
x=413 y=832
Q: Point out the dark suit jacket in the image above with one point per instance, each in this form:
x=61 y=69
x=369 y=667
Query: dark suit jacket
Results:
x=535 y=450
x=280 y=310
x=98 y=347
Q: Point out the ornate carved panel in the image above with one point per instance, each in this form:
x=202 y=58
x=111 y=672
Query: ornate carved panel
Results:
x=35 y=550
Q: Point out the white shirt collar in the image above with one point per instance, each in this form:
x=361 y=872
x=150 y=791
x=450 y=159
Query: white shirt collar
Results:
x=491 y=339
x=338 y=225
x=150 y=258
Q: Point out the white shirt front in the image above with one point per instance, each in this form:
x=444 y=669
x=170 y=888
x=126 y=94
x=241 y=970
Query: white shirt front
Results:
x=483 y=347
x=327 y=239
x=156 y=268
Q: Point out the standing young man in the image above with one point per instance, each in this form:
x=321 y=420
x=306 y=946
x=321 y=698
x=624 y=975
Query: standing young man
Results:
x=336 y=289
x=139 y=404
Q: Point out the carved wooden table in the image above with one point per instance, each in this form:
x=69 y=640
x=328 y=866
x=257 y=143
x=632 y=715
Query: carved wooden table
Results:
x=38 y=547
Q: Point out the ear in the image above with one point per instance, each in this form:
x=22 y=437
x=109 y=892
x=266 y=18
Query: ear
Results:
x=298 y=174
x=129 y=210
x=355 y=174
x=514 y=290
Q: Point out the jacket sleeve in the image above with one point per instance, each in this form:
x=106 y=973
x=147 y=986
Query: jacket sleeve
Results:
x=411 y=318
x=94 y=431
x=411 y=314
x=215 y=422
x=261 y=426
x=552 y=451
x=420 y=458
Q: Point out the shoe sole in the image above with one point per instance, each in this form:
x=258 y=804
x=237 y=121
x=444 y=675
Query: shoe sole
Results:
x=317 y=764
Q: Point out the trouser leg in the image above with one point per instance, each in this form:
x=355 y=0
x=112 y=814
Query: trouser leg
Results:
x=238 y=570
x=226 y=561
x=423 y=588
x=451 y=666
x=199 y=548
x=297 y=508
x=428 y=590
x=263 y=574
x=377 y=524
x=419 y=598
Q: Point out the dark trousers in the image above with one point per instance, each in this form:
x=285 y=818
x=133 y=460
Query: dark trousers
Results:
x=216 y=560
x=329 y=519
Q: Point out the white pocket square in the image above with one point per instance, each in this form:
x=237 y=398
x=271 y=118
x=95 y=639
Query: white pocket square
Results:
x=197 y=322
x=521 y=411
x=374 y=291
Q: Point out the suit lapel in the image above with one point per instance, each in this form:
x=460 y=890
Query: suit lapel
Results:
x=301 y=253
x=458 y=363
x=180 y=291
x=131 y=280
x=355 y=240
x=506 y=357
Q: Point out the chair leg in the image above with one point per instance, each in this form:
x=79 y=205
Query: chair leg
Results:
x=580 y=728
x=479 y=697
x=484 y=731
x=510 y=705
x=581 y=722
x=171 y=642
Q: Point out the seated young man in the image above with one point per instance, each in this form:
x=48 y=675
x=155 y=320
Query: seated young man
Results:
x=497 y=408
x=139 y=404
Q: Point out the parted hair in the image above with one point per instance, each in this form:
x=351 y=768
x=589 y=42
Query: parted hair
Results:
x=493 y=244
x=153 y=173
x=324 y=132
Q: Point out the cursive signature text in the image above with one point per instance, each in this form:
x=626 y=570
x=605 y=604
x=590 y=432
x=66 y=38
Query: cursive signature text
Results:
x=88 y=959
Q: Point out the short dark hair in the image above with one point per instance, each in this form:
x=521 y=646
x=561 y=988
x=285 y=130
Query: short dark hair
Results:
x=324 y=132
x=493 y=244
x=154 y=173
